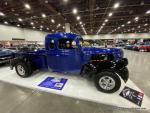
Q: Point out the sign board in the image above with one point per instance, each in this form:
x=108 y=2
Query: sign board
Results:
x=132 y=95
x=53 y=83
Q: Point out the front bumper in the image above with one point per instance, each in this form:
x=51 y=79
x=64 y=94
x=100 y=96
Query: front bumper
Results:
x=5 y=59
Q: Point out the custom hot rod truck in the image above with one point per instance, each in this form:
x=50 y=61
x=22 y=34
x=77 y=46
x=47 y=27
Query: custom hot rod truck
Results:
x=64 y=53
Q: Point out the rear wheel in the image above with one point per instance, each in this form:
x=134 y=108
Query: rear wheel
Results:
x=107 y=82
x=23 y=69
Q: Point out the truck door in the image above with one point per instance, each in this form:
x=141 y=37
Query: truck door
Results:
x=52 y=55
x=69 y=57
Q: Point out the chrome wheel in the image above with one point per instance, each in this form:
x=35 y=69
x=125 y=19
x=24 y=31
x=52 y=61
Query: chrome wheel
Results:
x=21 y=70
x=107 y=83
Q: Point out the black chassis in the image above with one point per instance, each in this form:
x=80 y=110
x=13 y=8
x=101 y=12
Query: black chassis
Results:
x=98 y=66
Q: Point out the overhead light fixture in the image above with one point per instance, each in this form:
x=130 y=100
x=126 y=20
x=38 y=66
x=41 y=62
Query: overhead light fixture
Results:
x=74 y=11
x=103 y=24
x=47 y=28
x=32 y=23
x=2 y=14
x=145 y=24
x=136 y=18
x=123 y=25
x=5 y=22
x=18 y=25
x=129 y=22
x=148 y=12
x=33 y=27
x=58 y=25
x=19 y=19
x=27 y=6
x=80 y=23
x=78 y=17
x=110 y=14
x=52 y=20
x=41 y=26
x=106 y=20
x=43 y=15
x=63 y=27
x=40 y=29
x=116 y=5
x=65 y=0
x=139 y=26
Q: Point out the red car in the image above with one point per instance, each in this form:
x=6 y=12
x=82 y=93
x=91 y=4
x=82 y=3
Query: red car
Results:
x=142 y=47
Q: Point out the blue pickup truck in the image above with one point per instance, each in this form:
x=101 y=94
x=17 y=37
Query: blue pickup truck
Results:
x=65 y=53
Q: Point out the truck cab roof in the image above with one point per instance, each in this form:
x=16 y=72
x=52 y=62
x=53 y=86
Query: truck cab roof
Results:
x=59 y=35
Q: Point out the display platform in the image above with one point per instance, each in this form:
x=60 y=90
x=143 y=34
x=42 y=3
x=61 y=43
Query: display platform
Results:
x=73 y=86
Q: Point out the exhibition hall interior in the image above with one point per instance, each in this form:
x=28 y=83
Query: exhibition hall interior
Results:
x=74 y=56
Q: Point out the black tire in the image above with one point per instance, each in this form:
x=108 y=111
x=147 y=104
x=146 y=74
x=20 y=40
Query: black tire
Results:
x=111 y=75
x=26 y=67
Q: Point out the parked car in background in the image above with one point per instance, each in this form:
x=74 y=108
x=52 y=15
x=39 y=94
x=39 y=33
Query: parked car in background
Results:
x=5 y=55
x=129 y=46
x=143 y=47
x=28 y=47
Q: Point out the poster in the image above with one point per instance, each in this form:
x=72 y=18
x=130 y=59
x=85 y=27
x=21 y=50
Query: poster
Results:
x=53 y=83
x=132 y=95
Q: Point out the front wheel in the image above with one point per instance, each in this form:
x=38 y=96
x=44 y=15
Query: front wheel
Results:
x=107 y=82
x=23 y=69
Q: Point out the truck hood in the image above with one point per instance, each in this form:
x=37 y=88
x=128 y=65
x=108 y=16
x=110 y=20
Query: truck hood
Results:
x=117 y=52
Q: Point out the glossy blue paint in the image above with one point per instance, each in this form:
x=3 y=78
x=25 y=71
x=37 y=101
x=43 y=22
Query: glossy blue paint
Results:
x=66 y=60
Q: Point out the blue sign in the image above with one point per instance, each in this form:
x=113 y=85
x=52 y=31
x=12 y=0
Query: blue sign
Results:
x=53 y=83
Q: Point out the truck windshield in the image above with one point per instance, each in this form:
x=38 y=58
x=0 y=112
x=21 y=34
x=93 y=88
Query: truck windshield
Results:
x=64 y=43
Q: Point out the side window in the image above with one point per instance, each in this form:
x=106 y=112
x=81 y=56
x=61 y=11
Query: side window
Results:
x=52 y=45
x=66 y=43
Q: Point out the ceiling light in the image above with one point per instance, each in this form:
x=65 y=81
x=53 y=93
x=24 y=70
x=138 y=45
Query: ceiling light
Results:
x=58 y=25
x=136 y=18
x=20 y=19
x=27 y=6
x=80 y=22
x=128 y=22
x=41 y=26
x=18 y=25
x=123 y=25
x=33 y=27
x=103 y=24
x=118 y=27
x=78 y=17
x=5 y=22
x=40 y=29
x=52 y=20
x=139 y=26
x=74 y=11
x=52 y=30
x=110 y=14
x=47 y=28
x=32 y=23
x=145 y=24
x=63 y=27
x=116 y=5
x=148 y=12
x=2 y=14
x=46 y=1
x=65 y=0
x=43 y=15
x=106 y=20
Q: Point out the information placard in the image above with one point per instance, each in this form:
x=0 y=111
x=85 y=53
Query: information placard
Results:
x=53 y=83
x=132 y=95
